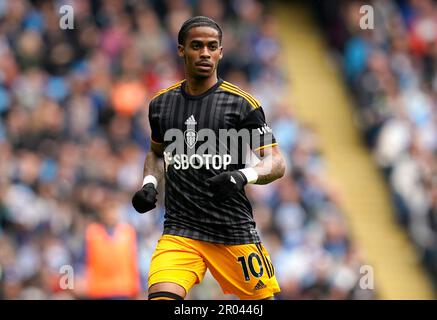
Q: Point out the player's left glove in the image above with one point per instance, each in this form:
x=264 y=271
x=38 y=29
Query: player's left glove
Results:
x=145 y=199
x=226 y=183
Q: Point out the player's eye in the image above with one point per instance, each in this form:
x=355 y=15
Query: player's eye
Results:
x=213 y=47
x=195 y=46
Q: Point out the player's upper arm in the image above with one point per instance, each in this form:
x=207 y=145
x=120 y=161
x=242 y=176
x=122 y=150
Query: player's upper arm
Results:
x=156 y=145
x=261 y=135
x=157 y=148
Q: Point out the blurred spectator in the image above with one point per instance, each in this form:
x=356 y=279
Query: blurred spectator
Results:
x=111 y=264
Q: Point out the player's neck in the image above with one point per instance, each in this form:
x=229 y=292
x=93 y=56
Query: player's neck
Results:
x=196 y=87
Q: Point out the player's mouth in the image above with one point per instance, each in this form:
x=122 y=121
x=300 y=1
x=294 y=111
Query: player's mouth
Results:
x=204 y=65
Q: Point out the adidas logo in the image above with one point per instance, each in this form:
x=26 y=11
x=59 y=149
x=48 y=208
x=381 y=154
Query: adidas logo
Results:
x=190 y=120
x=260 y=285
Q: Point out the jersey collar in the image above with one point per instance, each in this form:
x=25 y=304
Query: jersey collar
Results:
x=207 y=92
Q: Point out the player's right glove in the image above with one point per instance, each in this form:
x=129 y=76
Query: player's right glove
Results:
x=145 y=199
x=225 y=184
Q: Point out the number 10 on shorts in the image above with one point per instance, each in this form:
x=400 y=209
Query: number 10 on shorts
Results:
x=250 y=263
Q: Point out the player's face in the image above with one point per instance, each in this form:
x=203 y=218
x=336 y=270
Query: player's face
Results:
x=201 y=52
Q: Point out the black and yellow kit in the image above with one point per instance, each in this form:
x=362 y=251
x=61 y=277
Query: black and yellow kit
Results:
x=200 y=233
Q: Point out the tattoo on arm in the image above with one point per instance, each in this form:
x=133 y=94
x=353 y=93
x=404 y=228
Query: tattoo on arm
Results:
x=270 y=168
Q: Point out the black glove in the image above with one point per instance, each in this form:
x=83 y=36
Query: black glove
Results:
x=225 y=184
x=144 y=200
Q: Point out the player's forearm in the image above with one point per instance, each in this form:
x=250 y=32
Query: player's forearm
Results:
x=270 y=168
x=153 y=165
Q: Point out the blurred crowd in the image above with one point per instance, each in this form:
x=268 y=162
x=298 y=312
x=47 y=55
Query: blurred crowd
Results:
x=392 y=72
x=74 y=132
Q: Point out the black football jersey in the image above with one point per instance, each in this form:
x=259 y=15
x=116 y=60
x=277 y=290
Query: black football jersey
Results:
x=193 y=132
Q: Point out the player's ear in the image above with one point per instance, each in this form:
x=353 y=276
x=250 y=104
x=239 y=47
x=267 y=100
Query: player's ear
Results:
x=221 y=52
x=181 y=50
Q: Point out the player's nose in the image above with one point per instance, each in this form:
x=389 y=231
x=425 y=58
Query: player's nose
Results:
x=204 y=53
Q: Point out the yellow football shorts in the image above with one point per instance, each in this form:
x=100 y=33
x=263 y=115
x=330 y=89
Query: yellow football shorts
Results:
x=244 y=270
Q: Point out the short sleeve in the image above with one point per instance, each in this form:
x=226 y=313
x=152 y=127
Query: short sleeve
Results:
x=156 y=133
x=261 y=136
